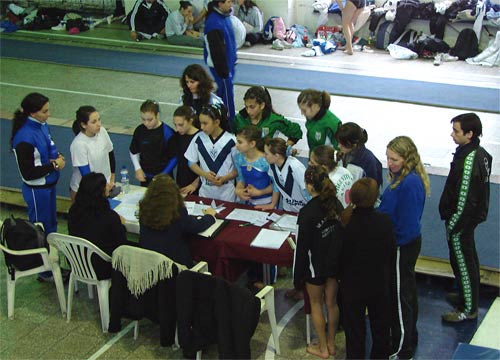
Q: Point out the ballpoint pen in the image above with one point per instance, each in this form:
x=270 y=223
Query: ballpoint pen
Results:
x=245 y=224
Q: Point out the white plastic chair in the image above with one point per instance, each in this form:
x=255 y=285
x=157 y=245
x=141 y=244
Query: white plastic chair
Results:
x=79 y=252
x=50 y=263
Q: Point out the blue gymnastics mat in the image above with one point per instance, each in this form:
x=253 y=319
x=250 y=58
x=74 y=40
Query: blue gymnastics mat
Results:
x=411 y=91
x=467 y=352
x=433 y=235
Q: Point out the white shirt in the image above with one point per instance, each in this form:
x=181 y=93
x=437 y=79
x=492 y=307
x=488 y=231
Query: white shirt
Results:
x=343 y=180
x=92 y=151
x=214 y=157
x=289 y=181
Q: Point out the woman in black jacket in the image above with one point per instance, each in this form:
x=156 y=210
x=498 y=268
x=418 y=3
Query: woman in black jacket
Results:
x=316 y=257
x=367 y=248
x=92 y=218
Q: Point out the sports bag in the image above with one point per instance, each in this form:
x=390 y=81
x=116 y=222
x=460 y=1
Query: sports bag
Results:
x=20 y=234
x=466 y=46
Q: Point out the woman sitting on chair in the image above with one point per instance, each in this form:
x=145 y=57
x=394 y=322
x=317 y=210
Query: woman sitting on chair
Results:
x=163 y=220
x=91 y=218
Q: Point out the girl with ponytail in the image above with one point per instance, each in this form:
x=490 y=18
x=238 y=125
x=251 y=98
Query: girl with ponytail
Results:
x=317 y=256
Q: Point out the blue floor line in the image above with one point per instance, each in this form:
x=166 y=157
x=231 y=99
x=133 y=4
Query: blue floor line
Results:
x=417 y=92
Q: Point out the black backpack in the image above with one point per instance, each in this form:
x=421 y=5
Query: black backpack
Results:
x=466 y=46
x=20 y=234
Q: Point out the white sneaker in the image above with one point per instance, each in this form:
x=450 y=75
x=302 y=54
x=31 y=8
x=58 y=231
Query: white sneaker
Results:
x=247 y=44
x=448 y=58
x=60 y=27
x=438 y=59
x=277 y=45
x=286 y=44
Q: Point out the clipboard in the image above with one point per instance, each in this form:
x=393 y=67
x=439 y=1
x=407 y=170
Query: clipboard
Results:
x=213 y=230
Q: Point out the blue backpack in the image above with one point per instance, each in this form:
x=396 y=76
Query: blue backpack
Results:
x=267 y=32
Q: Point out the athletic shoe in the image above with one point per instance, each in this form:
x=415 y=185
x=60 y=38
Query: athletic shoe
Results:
x=277 y=45
x=456 y=316
x=61 y=26
x=247 y=44
x=448 y=58
x=286 y=44
x=438 y=59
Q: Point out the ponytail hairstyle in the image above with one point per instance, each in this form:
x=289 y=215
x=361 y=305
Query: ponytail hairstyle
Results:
x=205 y=84
x=32 y=103
x=277 y=146
x=363 y=194
x=184 y=5
x=309 y=97
x=253 y=133
x=217 y=112
x=351 y=135
x=212 y=5
x=317 y=177
x=405 y=147
x=325 y=156
x=82 y=117
x=261 y=96
x=150 y=106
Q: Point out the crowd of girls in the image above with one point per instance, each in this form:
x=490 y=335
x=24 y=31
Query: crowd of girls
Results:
x=251 y=163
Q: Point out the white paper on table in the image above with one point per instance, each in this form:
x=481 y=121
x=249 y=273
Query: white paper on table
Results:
x=127 y=211
x=259 y=222
x=270 y=239
x=274 y=217
x=287 y=222
x=250 y=216
x=132 y=198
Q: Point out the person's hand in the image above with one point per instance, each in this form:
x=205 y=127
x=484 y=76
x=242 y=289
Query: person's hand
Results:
x=60 y=161
x=209 y=211
x=211 y=176
x=253 y=191
x=133 y=35
x=187 y=190
x=122 y=219
x=140 y=176
x=265 y=207
x=242 y=194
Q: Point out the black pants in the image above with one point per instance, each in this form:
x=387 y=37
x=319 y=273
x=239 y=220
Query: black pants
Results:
x=405 y=306
x=253 y=38
x=353 y=311
x=465 y=265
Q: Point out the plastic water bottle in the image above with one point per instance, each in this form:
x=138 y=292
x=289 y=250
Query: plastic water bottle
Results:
x=125 y=180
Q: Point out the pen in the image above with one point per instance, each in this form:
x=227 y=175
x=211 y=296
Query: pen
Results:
x=245 y=224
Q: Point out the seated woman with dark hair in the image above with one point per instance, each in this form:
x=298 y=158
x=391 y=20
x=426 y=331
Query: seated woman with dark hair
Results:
x=163 y=220
x=91 y=218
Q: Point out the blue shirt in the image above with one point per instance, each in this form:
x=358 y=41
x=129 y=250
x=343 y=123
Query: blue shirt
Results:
x=254 y=173
x=405 y=204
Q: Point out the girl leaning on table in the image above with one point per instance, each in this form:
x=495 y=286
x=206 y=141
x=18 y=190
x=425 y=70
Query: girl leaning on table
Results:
x=317 y=256
x=287 y=176
x=91 y=149
x=209 y=154
x=152 y=149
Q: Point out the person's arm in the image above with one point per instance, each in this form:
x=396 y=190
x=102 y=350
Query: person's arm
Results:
x=291 y=129
x=274 y=202
x=215 y=42
x=221 y=180
x=112 y=165
x=254 y=192
x=133 y=20
x=26 y=161
x=200 y=16
x=139 y=173
x=301 y=257
x=171 y=150
x=210 y=176
x=84 y=170
x=241 y=191
x=195 y=225
x=257 y=21
x=191 y=188
x=172 y=163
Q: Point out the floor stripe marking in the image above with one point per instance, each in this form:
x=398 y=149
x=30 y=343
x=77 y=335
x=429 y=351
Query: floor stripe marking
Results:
x=80 y=93
x=281 y=326
x=112 y=341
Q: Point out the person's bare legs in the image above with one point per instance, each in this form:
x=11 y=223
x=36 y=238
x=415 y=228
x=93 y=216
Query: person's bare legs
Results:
x=332 y=308
x=316 y=293
x=349 y=15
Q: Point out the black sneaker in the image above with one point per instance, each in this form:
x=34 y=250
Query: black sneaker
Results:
x=456 y=316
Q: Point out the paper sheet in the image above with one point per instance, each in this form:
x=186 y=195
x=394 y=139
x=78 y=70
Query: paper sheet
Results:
x=133 y=197
x=255 y=217
x=127 y=211
x=270 y=239
x=287 y=222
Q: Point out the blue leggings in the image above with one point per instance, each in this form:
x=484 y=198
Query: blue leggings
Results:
x=41 y=206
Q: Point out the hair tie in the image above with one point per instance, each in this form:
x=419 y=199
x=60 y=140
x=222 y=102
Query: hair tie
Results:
x=21 y=109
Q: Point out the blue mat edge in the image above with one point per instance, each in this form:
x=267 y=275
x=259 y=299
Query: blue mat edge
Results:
x=444 y=95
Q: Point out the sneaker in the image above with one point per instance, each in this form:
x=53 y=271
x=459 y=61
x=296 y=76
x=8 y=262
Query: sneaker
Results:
x=247 y=44
x=286 y=44
x=448 y=58
x=60 y=27
x=456 y=316
x=438 y=59
x=277 y=45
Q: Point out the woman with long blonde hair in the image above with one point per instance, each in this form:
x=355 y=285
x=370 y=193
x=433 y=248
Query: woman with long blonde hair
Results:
x=403 y=200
